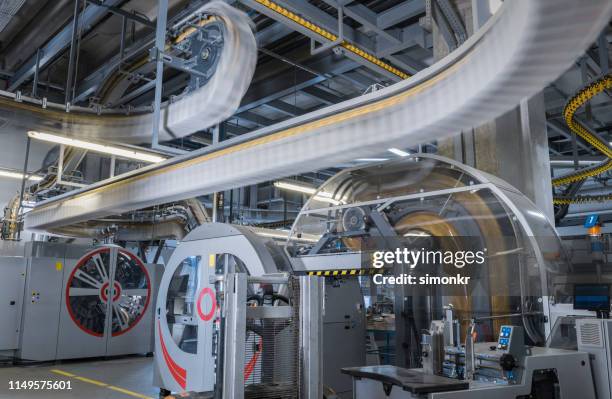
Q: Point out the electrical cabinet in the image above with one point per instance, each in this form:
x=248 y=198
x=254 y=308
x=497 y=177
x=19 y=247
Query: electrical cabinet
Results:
x=13 y=269
x=83 y=301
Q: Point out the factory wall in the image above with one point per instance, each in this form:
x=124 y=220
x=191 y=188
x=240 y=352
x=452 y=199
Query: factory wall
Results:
x=12 y=152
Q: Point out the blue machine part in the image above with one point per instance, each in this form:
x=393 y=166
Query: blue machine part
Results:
x=597 y=246
x=591 y=221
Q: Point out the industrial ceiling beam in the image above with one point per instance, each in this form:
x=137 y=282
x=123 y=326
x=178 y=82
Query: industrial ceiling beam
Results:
x=554 y=126
x=255 y=118
x=285 y=108
x=291 y=81
x=92 y=82
x=368 y=19
x=235 y=130
x=586 y=159
x=393 y=40
x=60 y=42
x=603 y=108
x=411 y=36
x=129 y=15
x=358 y=79
x=408 y=63
x=327 y=22
x=321 y=95
x=144 y=94
x=399 y=13
x=272 y=33
x=135 y=94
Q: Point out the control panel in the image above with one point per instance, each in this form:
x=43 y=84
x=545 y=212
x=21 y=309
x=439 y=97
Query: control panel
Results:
x=505 y=335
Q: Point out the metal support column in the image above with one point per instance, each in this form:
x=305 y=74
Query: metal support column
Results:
x=73 y=49
x=312 y=309
x=252 y=200
x=314 y=50
x=60 y=162
x=160 y=42
x=481 y=12
x=110 y=311
x=122 y=42
x=604 y=60
x=111 y=173
x=216 y=196
x=235 y=335
x=60 y=170
x=36 y=72
x=23 y=180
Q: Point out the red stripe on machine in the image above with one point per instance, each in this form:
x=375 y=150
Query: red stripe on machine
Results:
x=179 y=373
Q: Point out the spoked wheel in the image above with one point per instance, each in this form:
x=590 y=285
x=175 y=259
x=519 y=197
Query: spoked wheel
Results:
x=133 y=299
x=89 y=295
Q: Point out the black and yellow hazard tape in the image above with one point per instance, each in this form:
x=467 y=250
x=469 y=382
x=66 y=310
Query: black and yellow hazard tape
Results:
x=344 y=272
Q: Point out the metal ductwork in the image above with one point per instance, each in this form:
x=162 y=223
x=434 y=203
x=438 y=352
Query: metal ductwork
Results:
x=170 y=222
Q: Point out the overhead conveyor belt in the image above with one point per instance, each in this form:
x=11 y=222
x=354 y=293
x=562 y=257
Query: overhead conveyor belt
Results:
x=583 y=95
x=212 y=103
x=525 y=46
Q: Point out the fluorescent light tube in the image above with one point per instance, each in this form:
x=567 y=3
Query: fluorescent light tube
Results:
x=399 y=152
x=101 y=148
x=321 y=195
x=17 y=175
x=324 y=198
x=371 y=159
x=295 y=187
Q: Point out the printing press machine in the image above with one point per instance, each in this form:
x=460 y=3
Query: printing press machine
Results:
x=504 y=369
x=424 y=202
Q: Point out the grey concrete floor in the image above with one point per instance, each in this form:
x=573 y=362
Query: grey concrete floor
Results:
x=131 y=374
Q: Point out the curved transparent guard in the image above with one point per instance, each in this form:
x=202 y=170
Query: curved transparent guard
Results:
x=426 y=203
x=563 y=334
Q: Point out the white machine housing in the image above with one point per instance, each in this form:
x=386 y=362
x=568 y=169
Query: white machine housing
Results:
x=185 y=360
x=178 y=369
x=594 y=336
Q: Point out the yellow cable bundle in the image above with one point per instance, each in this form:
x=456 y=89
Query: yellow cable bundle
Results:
x=569 y=112
x=582 y=199
x=332 y=37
